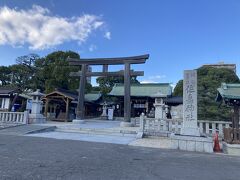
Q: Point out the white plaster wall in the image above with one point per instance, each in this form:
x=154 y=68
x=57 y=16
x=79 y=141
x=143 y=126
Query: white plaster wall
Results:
x=5 y=103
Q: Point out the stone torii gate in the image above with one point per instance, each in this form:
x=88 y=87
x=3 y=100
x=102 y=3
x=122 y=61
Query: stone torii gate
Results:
x=127 y=73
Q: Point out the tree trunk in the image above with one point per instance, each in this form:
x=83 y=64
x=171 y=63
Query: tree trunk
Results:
x=13 y=102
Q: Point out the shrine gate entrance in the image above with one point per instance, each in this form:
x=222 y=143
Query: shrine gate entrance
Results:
x=104 y=62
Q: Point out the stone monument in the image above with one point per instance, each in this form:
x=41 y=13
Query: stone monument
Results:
x=35 y=116
x=189 y=139
x=190 y=126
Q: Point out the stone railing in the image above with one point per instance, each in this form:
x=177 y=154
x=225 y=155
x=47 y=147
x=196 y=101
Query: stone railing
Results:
x=151 y=126
x=210 y=127
x=14 y=117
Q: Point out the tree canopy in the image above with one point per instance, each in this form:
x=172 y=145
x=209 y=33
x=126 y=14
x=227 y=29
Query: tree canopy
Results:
x=53 y=72
x=47 y=73
x=209 y=79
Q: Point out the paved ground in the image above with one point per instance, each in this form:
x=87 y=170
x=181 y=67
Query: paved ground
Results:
x=25 y=129
x=44 y=158
x=90 y=124
x=107 y=138
x=7 y=125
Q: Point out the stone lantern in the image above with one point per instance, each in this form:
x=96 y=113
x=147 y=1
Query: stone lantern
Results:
x=160 y=108
x=36 y=116
x=104 y=115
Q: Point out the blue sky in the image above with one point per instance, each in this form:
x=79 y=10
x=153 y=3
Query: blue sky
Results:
x=178 y=34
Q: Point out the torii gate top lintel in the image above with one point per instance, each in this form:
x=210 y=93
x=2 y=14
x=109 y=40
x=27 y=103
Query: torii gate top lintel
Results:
x=109 y=61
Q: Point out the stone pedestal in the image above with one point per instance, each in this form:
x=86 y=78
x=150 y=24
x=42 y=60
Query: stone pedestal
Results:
x=191 y=143
x=78 y=121
x=231 y=149
x=126 y=124
x=36 y=118
x=188 y=131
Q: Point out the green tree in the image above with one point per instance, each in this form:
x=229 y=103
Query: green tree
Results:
x=28 y=60
x=22 y=73
x=209 y=79
x=5 y=76
x=53 y=72
x=178 y=90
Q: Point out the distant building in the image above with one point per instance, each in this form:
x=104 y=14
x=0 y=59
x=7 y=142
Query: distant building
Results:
x=222 y=65
x=142 y=99
x=6 y=98
x=60 y=104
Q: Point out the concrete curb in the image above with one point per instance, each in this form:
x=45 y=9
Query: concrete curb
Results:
x=46 y=129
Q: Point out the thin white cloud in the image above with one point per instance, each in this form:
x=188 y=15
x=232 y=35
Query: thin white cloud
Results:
x=147 y=81
x=157 y=77
x=153 y=79
x=92 y=48
x=37 y=28
x=107 y=35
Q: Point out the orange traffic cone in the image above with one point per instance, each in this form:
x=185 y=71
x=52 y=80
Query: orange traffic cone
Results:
x=216 y=147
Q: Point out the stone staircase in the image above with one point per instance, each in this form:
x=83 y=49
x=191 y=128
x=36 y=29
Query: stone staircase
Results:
x=99 y=131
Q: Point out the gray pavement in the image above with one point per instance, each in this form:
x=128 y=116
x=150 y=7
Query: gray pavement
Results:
x=105 y=138
x=4 y=125
x=25 y=129
x=24 y=157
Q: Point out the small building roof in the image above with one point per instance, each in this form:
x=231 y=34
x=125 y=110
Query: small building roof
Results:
x=7 y=91
x=143 y=90
x=73 y=95
x=63 y=92
x=228 y=91
x=93 y=96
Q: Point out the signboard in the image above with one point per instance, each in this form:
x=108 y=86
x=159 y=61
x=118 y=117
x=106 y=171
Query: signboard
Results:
x=29 y=104
x=110 y=114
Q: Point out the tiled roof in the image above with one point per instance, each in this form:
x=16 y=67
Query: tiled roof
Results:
x=7 y=91
x=143 y=90
x=90 y=97
x=228 y=91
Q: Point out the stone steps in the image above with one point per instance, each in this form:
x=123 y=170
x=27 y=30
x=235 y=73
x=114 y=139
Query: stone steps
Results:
x=110 y=132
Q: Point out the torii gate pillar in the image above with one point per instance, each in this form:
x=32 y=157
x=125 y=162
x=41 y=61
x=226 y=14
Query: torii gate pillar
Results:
x=127 y=96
